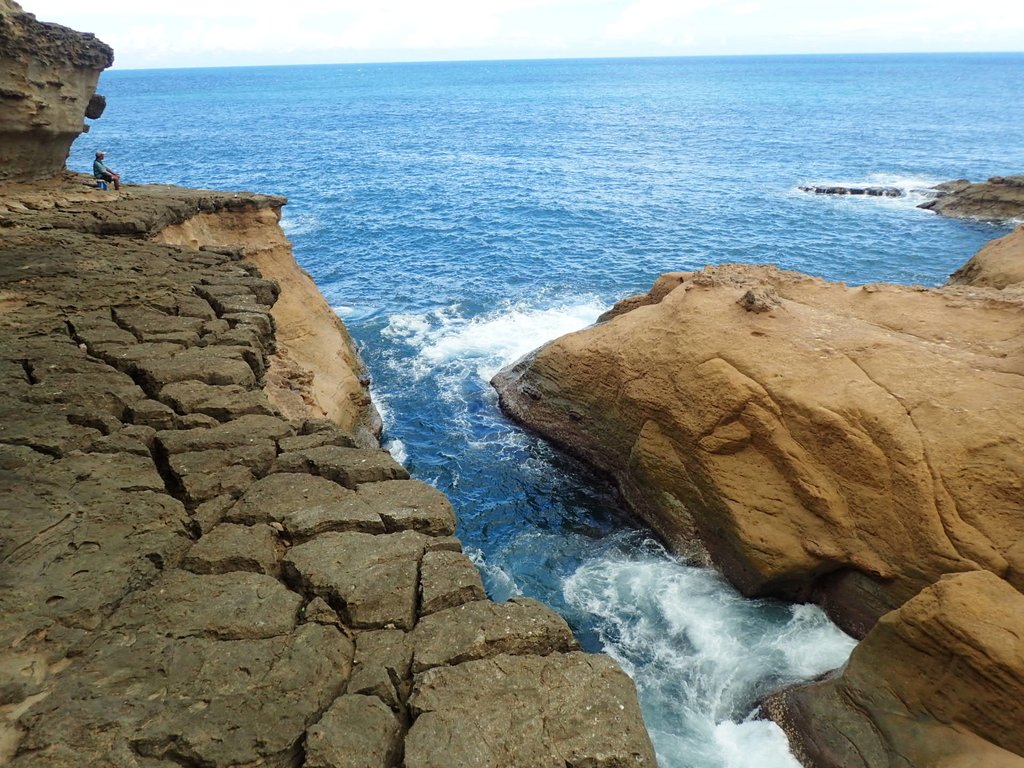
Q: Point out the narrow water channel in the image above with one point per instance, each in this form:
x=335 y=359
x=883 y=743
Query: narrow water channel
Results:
x=540 y=524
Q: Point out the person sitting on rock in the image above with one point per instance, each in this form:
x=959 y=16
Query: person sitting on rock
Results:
x=101 y=172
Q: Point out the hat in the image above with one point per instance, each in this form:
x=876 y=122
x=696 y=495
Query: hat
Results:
x=100 y=152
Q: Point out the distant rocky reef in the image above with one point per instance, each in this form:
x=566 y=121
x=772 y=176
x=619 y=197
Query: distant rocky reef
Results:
x=1001 y=198
x=859 y=447
x=48 y=77
x=865 y=191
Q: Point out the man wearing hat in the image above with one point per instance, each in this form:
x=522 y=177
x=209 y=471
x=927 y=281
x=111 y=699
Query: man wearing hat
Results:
x=100 y=171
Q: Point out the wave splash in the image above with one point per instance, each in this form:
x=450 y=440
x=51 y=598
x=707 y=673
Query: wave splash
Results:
x=913 y=190
x=701 y=654
x=488 y=342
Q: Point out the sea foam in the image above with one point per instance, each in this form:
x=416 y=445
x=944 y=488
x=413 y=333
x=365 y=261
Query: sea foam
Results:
x=701 y=654
x=490 y=341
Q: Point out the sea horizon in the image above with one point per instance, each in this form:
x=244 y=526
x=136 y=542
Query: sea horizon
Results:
x=540 y=59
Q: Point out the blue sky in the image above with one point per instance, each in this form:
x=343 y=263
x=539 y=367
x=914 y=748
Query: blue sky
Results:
x=185 y=33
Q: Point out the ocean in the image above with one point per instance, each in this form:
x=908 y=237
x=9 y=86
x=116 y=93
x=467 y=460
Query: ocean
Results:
x=458 y=215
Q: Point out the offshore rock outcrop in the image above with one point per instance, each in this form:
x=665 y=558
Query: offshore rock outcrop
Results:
x=866 y=191
x=48 y=77
x=191 y=576
x=1001 y=198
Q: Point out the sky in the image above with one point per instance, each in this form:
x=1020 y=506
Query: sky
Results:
x=190 y=33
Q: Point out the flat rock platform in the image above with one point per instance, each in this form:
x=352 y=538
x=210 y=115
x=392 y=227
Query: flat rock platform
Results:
x=189 y=578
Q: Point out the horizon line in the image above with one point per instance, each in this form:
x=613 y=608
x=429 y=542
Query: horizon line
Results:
x=114 y=67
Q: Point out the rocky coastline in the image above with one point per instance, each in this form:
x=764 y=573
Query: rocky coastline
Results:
x=859 y=447
x=206 y=559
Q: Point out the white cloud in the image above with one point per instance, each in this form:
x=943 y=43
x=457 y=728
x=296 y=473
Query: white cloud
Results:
x=197 y=32
x=657 y=20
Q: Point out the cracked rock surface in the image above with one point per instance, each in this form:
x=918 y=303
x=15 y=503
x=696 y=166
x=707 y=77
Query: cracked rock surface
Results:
x=194 y=572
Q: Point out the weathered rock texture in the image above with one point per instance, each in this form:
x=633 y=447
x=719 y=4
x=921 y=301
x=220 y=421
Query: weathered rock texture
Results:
x=1000 y=264
x=194 y=571
x=315 y=367
x=937 y=682
x=847 y=445
x=48 y=76
x=1001 y=198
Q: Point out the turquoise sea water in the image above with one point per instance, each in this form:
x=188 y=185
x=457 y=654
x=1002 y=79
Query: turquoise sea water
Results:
x=458 y=215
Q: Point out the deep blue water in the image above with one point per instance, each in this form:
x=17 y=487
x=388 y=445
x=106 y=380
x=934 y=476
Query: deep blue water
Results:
x=457 y=215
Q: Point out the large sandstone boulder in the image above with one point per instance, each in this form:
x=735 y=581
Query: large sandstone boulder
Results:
x=48 y=76
x=1000 y=264
x=938 y=682
x=815 y=441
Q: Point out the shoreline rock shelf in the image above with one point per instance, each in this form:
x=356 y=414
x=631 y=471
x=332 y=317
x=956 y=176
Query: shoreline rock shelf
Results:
x=191 y=576
x=205 y=556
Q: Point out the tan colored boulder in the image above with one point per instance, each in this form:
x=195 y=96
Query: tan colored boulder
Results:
x=848 y=445
x=48 y=76
x=938 y=682
x=1000 y=264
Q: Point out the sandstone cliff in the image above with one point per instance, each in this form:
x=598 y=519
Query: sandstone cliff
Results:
x=48 y=76
x=816 y=442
